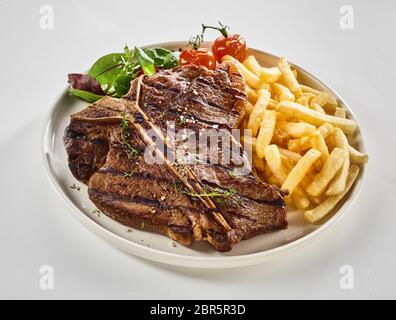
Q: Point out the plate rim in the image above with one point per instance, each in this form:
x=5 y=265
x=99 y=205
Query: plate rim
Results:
x=181 y=260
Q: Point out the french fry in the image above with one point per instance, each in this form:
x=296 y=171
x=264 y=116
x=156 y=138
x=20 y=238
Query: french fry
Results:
x=272 y=104
x=288 y=77
x=298 y=137
x=327 y=205
x=307 y=179
x=333 y=164
x=300 y=198
x=280 y=137
x=264 y=85
x=269 y=75
x=294 y=156
x=331 y=103
x=252 y=95
x=338 y=184
x=267 y=170
x=316 y=118
x=299 y=144
x=248 y=107
x=250 y=78
x=296 y=129
x=317 y=107
x=322 y=98
x=258 y=111
x=252 y=65
x=281 y=116
x=266 y=132
x=287 y=164
x=300 y=169
x=325 y=130
x=305 y=99
x=282 y=92
x=357 y=157
x=305 y=183
x=273 y=180
x=317 y=142
x=258 y=163
x=340 y=112
x=326 y=101
x=330 y=142
x=273 y=159
x=341 y=140
x=307 y=89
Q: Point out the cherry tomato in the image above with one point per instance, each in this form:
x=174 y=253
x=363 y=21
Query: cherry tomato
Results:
x=200 y=57
x=233 y=45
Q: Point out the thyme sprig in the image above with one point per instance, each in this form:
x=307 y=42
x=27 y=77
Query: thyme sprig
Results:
x=125 y=135
x=221 y=196
x=128 y=174
x=75 y=187
x=97 y=212
x=213 y=192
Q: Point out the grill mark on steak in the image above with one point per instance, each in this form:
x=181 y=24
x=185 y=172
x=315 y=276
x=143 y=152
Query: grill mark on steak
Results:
x=97 y=155
x=245 y=196
x=111 y=196
x=152 y=109
x=137 y=175
x=186 y=176
x=149 y=202
x=262 y=204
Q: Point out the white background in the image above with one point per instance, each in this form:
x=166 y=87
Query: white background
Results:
x=37 y=229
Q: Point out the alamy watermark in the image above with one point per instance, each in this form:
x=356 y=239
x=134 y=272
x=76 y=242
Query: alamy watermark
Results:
x=192 y=144
x=46 y=281
x=347 y=277
x=46 y=17
x=346 y=21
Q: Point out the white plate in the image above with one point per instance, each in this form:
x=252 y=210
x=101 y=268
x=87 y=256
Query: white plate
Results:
x=158 y=247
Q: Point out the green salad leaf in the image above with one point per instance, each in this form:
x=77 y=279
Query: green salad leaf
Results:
x=112 y=74
x=171 y=60
x=145 y=61
x=85 y=95
x=122 y=84
x=107 y=68
x=162 y=57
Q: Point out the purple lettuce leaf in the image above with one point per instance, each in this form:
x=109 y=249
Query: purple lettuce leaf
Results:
x=86 y=83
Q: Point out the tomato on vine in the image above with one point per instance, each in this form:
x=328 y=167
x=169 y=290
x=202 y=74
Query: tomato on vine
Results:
x=196 y=55
x=227 y=44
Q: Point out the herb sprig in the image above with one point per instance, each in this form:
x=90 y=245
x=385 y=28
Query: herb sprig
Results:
x=74 y=187
x=128 y=174
x=125 y=135
x=221 y=196
x=97 y=212
x=213 y=192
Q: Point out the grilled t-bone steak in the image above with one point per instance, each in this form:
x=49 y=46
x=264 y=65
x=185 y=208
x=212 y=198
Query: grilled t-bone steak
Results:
x=107 y=144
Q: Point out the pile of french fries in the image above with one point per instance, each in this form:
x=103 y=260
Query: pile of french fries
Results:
x=299 y=137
